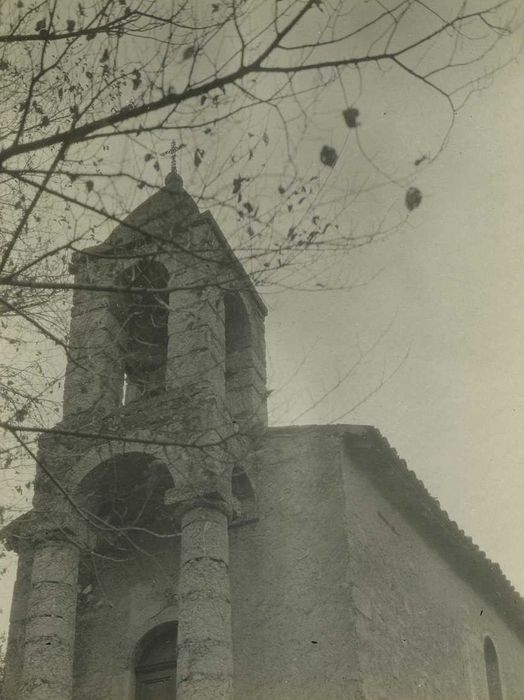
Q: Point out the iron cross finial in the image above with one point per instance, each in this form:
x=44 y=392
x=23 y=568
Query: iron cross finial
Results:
x=173 y=151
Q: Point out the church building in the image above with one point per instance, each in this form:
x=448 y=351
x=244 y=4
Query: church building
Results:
x=179 y=547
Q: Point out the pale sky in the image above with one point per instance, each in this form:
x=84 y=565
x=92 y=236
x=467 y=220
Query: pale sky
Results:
x=451 y=285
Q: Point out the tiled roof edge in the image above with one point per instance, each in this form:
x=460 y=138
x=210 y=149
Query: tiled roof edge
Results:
x=372 y=453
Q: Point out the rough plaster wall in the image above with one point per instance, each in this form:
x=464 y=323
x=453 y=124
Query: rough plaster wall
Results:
x=126 y=601
x=292 y=618
x=419 y=625
x=94 y=374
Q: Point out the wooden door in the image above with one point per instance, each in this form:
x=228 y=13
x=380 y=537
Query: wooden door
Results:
x=157 y=684
x=156 y=665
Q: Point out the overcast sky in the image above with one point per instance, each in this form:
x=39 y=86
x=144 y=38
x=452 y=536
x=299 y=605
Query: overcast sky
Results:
x=450 y=288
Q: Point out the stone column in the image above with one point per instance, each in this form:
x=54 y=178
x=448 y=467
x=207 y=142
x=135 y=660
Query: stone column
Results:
x=205 y=660
x=47 y=672
x=15 y=643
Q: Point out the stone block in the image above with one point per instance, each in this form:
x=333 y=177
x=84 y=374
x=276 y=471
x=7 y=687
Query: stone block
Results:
x=55 y=563
x=205 y=689
x=207 y=658
x=207 y=577
x=204 y=618
x=205 y=539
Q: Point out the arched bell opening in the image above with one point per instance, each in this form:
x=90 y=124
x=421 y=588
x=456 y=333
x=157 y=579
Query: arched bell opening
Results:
x=237 y=327
x=143 y=318
x=244 y=498
x=123 y=498
x=242 y=381
x=155 y=664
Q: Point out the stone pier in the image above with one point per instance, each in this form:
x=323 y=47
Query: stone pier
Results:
x=205 y=664
x=47 y=672
x=15 y=642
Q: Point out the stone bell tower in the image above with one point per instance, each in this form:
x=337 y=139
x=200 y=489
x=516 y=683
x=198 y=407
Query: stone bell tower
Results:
x=123 y=561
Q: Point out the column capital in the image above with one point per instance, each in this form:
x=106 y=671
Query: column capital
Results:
x=211 y=495
x=36 y=527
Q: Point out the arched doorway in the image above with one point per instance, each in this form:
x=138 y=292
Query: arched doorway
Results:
x=155 y=665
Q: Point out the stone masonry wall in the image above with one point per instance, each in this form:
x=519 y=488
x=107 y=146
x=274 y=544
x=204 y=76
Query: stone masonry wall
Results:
x=292 y=619
x=420 y=627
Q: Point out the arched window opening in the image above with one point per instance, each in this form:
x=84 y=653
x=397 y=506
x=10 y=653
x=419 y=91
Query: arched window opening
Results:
x=143 y=316
x=492 y=670
x=155 y=665
x=238 y=331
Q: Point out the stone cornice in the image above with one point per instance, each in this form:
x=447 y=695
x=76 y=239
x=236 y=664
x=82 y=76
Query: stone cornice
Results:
x=35 y=527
